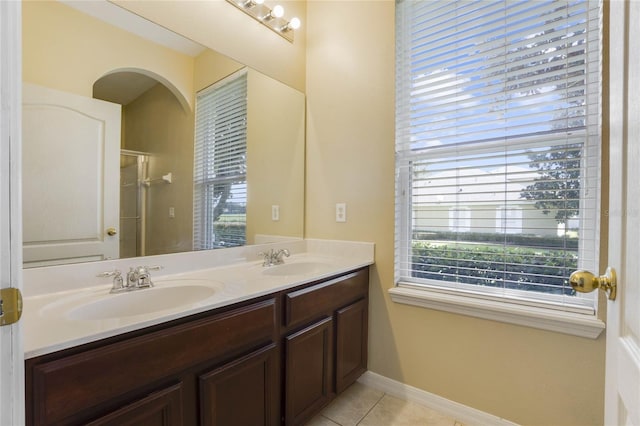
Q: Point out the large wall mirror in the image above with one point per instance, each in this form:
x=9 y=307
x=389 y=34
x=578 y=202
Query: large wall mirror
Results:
x=108 y=140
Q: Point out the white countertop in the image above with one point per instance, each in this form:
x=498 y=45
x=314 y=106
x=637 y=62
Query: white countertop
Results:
x=48 y=325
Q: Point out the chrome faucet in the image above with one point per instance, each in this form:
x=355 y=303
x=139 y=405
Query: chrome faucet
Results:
x=137 y=278
x=274 y=257
x=140 y=277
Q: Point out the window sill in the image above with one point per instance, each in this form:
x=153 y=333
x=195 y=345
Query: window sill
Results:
x=545 y=319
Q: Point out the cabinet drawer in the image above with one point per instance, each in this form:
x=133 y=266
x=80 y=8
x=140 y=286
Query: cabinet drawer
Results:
x=309 y=303
x=72 y=385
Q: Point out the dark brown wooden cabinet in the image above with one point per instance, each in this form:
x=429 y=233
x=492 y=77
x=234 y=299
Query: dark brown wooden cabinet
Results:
x=325 y=342
x=162 y=408
x=308 y=367
x=351 y=343
x=252 y=380
x=85 y=384
x=273 y=360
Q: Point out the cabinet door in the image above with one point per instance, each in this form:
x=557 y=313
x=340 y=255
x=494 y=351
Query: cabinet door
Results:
x=308 y=371
x=242 y=392
x=162 y=408
x=351 y=343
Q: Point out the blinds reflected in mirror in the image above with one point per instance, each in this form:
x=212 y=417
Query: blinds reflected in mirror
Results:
x=220 y=164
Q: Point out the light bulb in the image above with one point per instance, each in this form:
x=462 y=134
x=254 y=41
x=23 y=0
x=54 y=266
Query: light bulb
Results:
x=258 y=1
x=278 y=11
x=294 y=23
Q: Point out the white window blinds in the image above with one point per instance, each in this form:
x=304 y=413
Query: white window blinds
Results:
x=220 y=196
x=498 y=147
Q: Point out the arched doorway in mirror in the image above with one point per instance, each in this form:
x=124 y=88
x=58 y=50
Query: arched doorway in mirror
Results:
x=156 y=162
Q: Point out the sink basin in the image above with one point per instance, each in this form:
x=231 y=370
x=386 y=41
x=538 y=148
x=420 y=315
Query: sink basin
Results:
x=166 y=295
x=297 y=268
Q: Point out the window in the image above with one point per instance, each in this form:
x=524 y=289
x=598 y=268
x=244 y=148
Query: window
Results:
x=220 y=178
x=459 y=219
x=498 y=119
x=509 y=220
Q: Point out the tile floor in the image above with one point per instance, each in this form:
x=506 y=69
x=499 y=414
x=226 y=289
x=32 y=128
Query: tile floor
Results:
x=364 y=406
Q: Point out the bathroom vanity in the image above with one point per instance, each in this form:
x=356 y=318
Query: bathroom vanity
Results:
x=275 y=358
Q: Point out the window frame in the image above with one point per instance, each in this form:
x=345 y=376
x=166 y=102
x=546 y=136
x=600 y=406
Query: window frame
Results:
x=529 y=309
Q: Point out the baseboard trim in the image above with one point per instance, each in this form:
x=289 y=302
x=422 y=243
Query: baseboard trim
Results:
x=460 y=412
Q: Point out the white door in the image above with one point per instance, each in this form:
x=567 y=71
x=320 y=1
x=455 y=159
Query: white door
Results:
x=11 y=354
x=70 y=185
x=622 y=388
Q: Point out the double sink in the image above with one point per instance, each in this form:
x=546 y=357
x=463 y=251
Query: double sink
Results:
x=61 y=312
x=166 y=295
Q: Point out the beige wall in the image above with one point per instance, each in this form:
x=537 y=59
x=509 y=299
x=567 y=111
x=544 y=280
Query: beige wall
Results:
x=68 y=50
x=222 y=27
x=528 y=376
x=275 y=157
x=210 y=67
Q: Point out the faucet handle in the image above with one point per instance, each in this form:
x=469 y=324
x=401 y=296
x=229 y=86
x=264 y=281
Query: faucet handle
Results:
x=154 y=267
x=268 y=257
x=140 y=270
x=118 y=282
x=114 y=273
x=285 y=252
x=278 y=256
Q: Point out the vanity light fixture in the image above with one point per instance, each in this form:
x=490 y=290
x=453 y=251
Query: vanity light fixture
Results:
x=272 y=18
x=251 y=3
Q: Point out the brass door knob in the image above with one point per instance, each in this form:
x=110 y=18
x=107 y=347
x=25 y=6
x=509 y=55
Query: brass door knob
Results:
x=586 y=282
x=111 y=232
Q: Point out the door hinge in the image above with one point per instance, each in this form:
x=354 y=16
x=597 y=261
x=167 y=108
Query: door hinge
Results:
x=10 y=305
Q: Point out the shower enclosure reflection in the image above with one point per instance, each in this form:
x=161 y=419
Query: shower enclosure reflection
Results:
x=133 y=174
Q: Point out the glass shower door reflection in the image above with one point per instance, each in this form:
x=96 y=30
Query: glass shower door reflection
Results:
x=132 y=174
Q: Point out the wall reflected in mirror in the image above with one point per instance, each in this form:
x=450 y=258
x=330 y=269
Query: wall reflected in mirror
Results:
x=88 y=198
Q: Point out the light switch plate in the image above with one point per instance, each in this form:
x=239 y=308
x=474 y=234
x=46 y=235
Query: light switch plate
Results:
x=341 y=212
x=275 y=212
